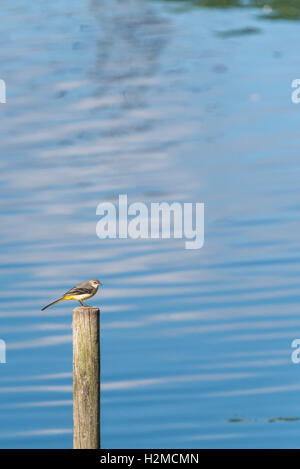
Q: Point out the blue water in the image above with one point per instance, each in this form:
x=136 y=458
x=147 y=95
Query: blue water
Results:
x=164 y=102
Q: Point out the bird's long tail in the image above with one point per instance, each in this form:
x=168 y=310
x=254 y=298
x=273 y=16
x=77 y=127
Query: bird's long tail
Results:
x=53 y=303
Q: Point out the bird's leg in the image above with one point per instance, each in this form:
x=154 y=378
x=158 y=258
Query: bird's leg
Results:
x=83 y=304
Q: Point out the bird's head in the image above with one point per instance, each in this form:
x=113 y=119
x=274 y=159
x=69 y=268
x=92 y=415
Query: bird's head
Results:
x=95 y=283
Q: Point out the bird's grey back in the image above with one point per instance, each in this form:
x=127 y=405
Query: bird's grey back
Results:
x=83 y=287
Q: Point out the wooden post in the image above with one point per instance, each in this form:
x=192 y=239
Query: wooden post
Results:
x=86 y=378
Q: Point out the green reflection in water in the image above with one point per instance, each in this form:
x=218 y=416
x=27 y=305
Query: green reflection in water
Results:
x=283 y=419
x=272 y=9
x=238 y=32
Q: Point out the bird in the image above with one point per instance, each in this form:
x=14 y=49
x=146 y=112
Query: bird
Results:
x=81 y=292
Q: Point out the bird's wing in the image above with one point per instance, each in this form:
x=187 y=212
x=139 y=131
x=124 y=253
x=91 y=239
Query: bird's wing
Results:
x=81 y=289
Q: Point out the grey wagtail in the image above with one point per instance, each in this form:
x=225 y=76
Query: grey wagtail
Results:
x=83 y=291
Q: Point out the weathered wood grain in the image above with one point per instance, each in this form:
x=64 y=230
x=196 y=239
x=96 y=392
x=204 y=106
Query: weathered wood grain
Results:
x=86 y=378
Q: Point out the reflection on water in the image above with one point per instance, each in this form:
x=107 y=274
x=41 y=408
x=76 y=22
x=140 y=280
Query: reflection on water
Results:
x=273 y=9
x=164 y=104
